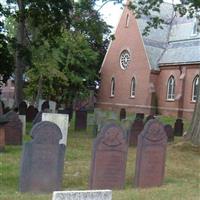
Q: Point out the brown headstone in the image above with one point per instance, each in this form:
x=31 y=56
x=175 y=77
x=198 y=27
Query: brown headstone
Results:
x=22 y=108
x=122 y=114
x=170 y=132
x=42 y=160
x=139 y=116
x=178 y=127
x=151 y=153
x=31 y=113
x=109 y=158
x=13 y=129
x=81 y=120
x=136 y=129
x=2 y=138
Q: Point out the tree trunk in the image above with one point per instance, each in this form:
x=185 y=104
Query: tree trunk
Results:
x=194 y=130
x=19 y=57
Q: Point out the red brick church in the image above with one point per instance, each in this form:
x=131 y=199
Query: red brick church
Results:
x=154 y=72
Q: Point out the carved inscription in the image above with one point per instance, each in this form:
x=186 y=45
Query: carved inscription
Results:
x=109 y=158
x=150 y=159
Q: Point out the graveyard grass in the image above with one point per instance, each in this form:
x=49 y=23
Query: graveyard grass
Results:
x=182 y=174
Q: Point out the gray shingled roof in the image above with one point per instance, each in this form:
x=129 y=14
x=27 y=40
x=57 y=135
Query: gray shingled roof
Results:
x=174 y=44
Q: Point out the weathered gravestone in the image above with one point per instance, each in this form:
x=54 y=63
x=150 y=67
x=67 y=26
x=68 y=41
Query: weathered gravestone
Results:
x=151 y=153
x=68 y=111
x=81 y=120
x=122 y=114
x=42 y=160
x=136 y=129
x=31 y=113
x=61 y=120
x=22 y=108
x=38 y=118
x=139 y=116
x=13 y=129
x=178 y=127
x=109 y=158
x=1 y=108
x=83 y=195
x=2 y=138
x=170 y=132
x=149 y=117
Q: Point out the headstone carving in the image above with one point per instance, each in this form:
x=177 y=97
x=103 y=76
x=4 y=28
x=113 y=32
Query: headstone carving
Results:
x=42 y=160
x=170 y=132
x=13 y=129
x=136 y=129
x=122 y=114
x=139 y=116
x=61 y=121
x=109 y=158
x=178 y=127
x=22 y=108
x=81 y=120
x=149 y=117
x=83 y=195
x=31 y=113
x=151 y=153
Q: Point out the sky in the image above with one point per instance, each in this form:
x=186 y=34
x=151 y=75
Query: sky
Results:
x=111 y=13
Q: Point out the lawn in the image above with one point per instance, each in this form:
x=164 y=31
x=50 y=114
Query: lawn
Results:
x=182 y=174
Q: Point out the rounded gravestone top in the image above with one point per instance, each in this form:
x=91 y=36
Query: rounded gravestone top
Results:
x=154 y=131
x=46 y=132
x=112 y=135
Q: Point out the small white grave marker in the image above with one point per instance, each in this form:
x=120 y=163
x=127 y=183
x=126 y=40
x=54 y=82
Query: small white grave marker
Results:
x=83 y=195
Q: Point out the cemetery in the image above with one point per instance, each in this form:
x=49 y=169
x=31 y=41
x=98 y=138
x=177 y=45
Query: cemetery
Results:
x=91 y=114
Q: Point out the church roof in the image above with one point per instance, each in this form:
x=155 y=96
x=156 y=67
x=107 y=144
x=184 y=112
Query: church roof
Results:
x=175 y=43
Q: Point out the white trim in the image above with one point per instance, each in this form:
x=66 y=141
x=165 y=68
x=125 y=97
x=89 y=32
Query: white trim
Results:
x=193 y=87
x=127 y=20
x=131 y=89
x=112 y=87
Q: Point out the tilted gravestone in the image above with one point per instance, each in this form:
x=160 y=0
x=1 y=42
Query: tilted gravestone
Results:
x=136 y=129
x=151 y=153
x=83 y=195
x=81 y=120
x=31 y=113
x=13 y=129
x=109 y=158
x=170 y=132
x=42 y=160
x=61 y=120
x=22 y=108
x=122 y=114
x=178 y=127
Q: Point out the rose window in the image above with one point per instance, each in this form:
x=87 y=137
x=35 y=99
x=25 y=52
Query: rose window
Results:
x=124 y=59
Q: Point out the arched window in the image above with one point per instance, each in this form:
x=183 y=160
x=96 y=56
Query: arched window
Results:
x=133 y=87
x=171 y=88
x=127 y=20
x=195 y=88
x=112 y=88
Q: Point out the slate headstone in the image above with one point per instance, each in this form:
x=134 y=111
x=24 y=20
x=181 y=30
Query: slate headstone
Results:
x=178 y=127
x=170 y=132
x=136 y=129
x=13 y=129
x=38 y=118
x=109 y=158
x=81 y=120
x=42 y=160
x=2 y=138
x=22 y=108
x=122 y=114
x=45 y=106
x=31 y=113
x=139 y=116
x=61 y=120
x=151 y=153
x=1 y=108
x=83 y=195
